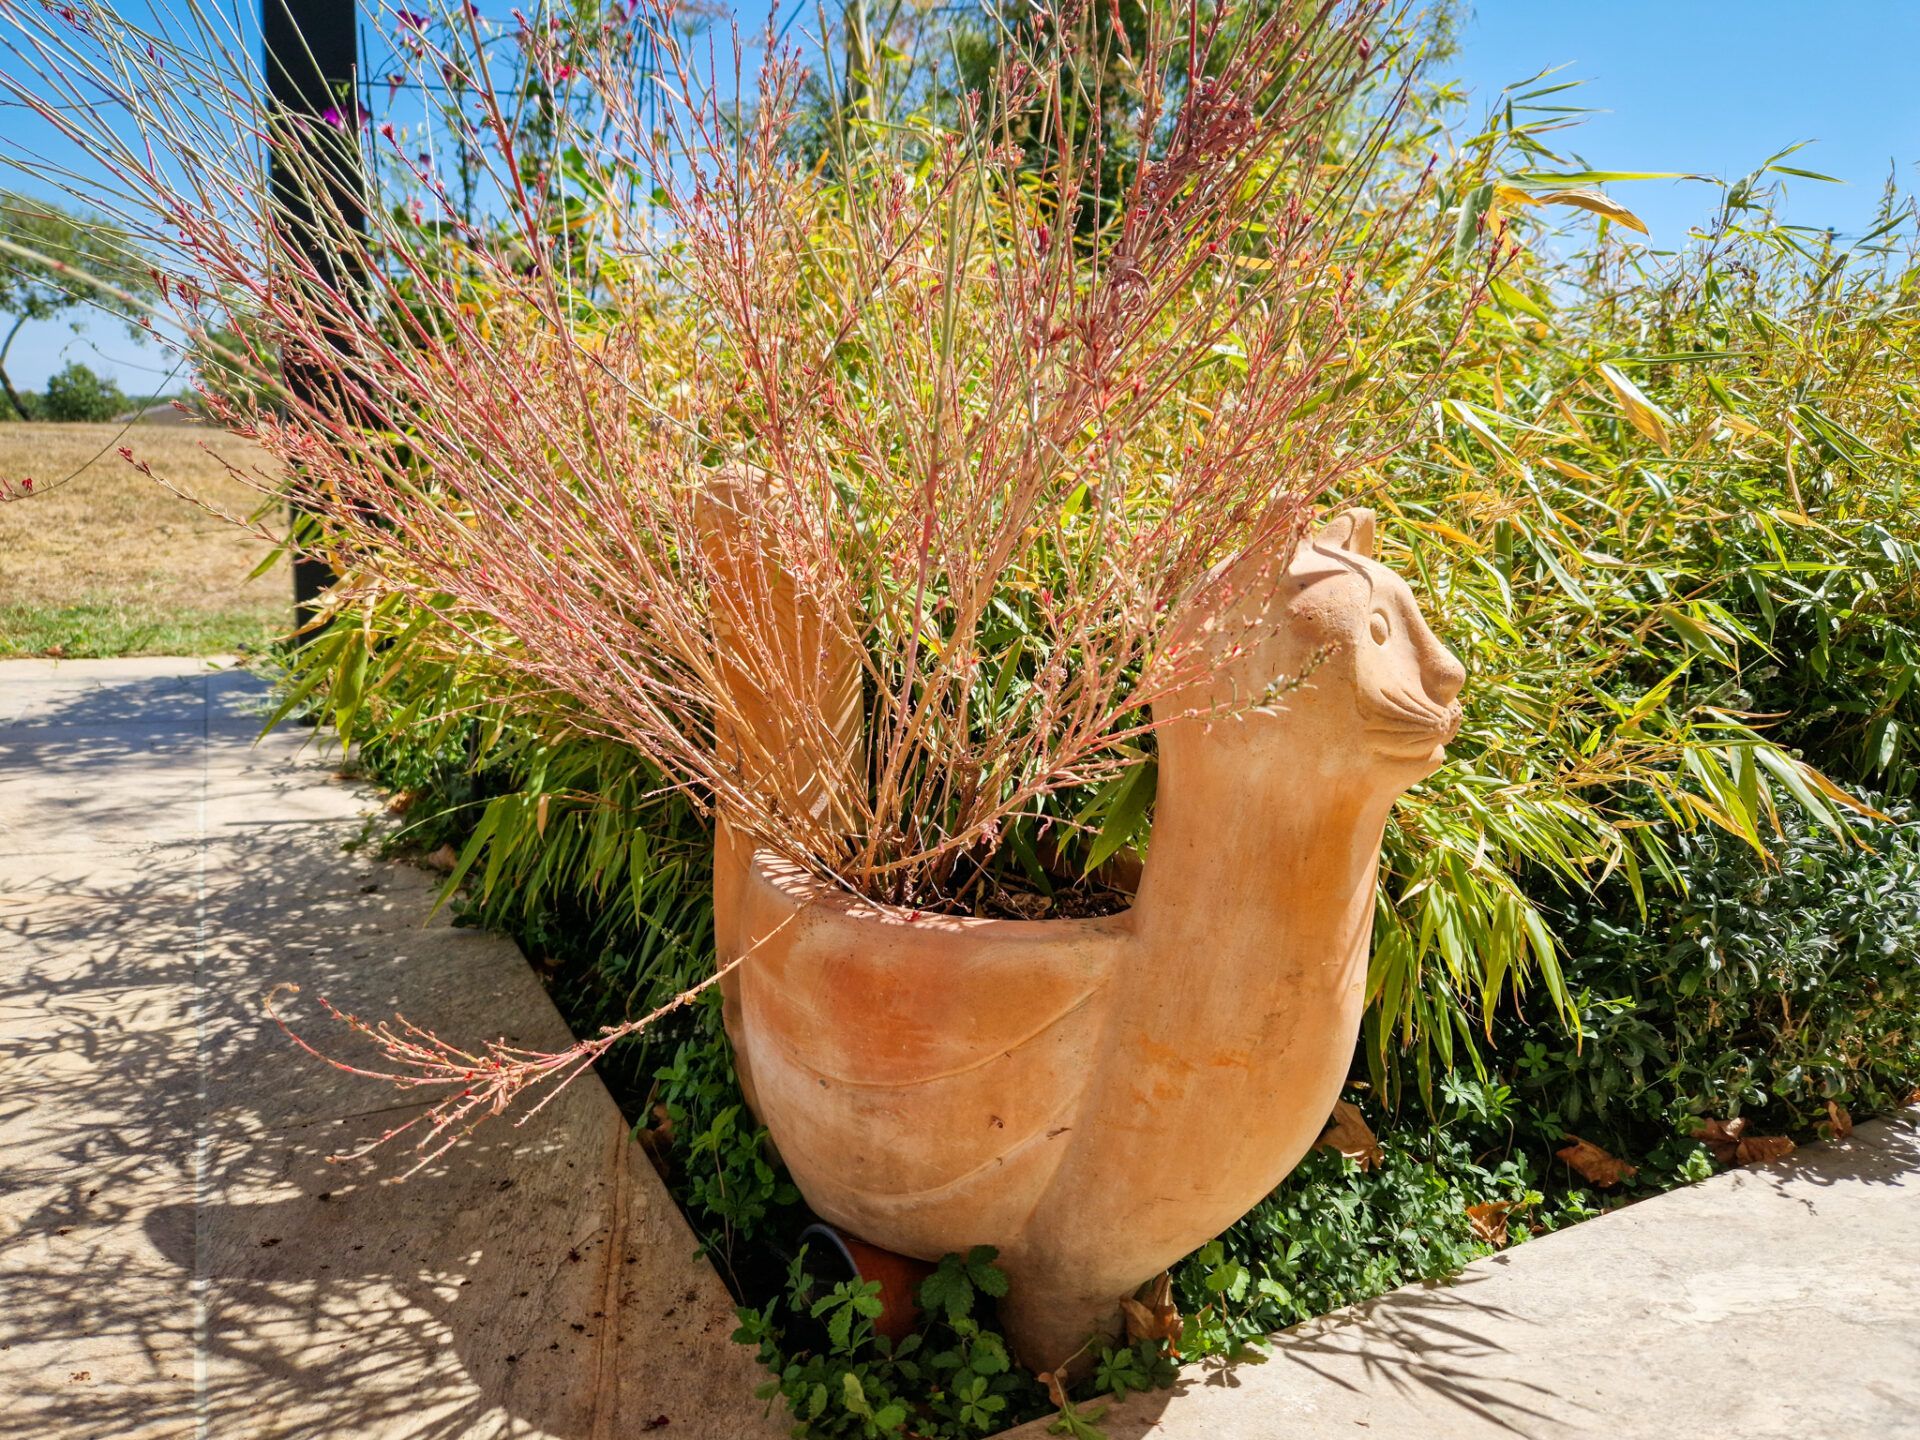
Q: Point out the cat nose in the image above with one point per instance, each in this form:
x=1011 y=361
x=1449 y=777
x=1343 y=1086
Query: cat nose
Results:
x=1443 y=675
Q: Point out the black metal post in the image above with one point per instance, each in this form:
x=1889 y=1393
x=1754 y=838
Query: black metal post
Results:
x=311 y=65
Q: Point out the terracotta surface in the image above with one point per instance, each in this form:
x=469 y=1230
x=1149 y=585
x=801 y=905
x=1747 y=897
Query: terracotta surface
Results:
x=1097 y=1098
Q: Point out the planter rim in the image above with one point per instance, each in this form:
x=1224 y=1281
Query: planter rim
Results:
x=805 y=890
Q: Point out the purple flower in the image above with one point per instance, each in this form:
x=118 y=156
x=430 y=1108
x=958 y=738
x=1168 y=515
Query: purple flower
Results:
x=332 y=116
x=413 y=20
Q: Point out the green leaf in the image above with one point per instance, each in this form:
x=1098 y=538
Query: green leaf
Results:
x=1597 y=177
x=1514 y=299
x=1467 y=231
x=1132 y=793
x=854 y=1396
x=986 y=1276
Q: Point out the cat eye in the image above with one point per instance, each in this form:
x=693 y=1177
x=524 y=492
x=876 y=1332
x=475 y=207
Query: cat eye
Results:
x=1380 y=627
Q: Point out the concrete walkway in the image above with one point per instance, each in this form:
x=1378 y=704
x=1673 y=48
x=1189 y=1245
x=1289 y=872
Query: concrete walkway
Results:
x=1776 y=1303
x=176 y=1257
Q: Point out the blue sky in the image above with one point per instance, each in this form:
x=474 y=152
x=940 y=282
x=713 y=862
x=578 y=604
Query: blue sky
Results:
x=1716 y=86
x=1712 y=86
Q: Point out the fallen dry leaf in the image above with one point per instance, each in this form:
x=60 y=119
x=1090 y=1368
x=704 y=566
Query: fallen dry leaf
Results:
x=1839 y=1119
x=400 y=802
x=1731 y=1145
x=1489 y=1221
x=444 y=859
x=1349 y=1133
x=1056 y=1392
x=1722 y=1138
x=1761 y=1148
x=659 y=1135
x=1595 y=1165
x=1160 y=1322
x=1152 y=1315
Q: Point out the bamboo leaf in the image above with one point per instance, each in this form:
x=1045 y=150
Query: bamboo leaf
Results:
x=1646 y=417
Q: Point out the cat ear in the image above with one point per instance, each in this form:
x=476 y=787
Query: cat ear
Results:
x=1350 y=530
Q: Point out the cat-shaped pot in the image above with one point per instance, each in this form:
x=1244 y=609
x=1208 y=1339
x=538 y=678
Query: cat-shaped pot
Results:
x=1097 y=1098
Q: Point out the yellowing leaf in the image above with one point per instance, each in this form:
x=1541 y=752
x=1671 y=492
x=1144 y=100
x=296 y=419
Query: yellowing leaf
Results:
x=1833 y=792
x=1446 y=532
x=1569 y=469
x=1471 y=419
x=1597 y=202
x=1646 y=417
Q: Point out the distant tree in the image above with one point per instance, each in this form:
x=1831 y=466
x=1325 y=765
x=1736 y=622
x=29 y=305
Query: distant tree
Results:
x=76 y=393
x=63 y=251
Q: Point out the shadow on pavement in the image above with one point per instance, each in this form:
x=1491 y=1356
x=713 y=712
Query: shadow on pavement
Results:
x=177 y=1255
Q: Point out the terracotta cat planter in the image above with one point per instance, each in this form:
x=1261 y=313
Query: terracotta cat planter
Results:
x=1097 y=1098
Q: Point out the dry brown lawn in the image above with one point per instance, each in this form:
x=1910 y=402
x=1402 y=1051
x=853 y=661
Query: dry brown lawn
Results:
x=102 y=560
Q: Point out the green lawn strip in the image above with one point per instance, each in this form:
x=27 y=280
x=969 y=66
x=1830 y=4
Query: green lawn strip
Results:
x=103 y=628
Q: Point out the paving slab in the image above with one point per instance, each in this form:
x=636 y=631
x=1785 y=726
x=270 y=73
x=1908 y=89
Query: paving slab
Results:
x=1777 y=1301
x=177 y=1255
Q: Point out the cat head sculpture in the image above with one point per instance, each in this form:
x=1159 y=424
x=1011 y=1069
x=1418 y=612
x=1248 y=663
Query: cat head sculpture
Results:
x=1326 y=657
